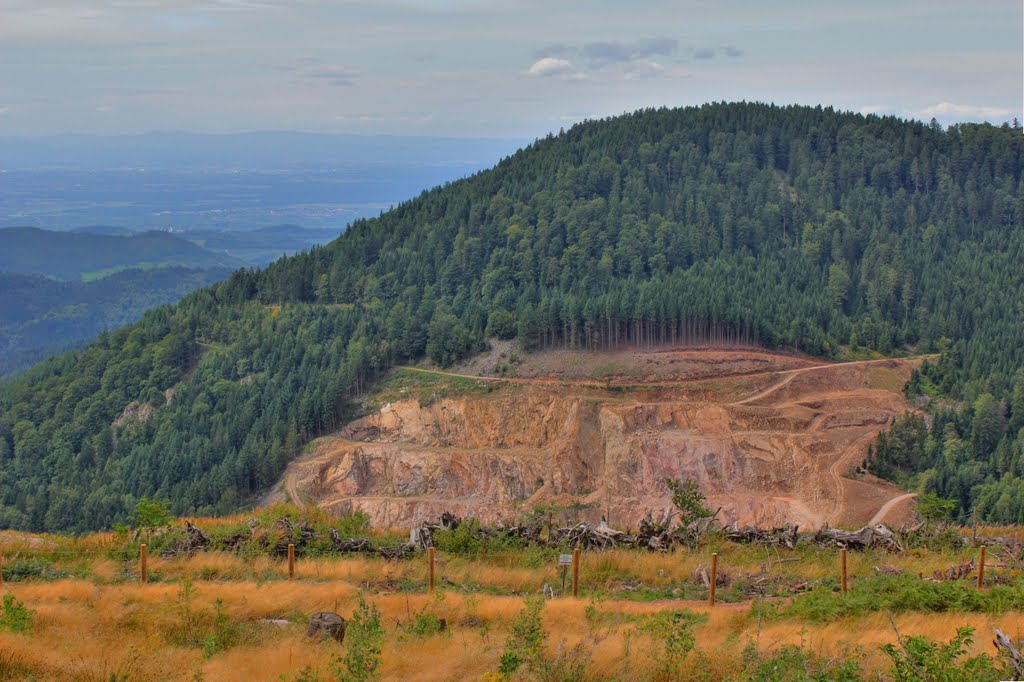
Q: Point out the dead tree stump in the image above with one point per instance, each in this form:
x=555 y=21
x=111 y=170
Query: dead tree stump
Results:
x=327 y=623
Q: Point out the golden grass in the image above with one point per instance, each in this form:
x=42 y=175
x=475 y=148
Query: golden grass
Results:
x=105 y=622
x=85 y=630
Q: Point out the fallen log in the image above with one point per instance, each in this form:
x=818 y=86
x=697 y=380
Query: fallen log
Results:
x=866 y=537
x=786 y=536
x=1004 y=644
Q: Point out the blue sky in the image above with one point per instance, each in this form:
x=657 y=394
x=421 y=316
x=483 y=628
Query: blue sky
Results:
x=490 y=67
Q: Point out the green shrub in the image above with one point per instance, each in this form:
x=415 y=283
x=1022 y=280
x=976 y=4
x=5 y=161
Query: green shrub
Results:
x=524 y=655
x=466 y=539
x=15 y=616
x=150 y=514
x=39 y=568
x=363 y=637
x=672 y=632
x=919 y=659
x=225 y=633
x=524 y=646
x=792 y=663
x=356 y=525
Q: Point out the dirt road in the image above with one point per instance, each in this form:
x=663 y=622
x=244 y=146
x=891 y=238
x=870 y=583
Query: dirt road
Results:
x=789 y=375
x=888 y=506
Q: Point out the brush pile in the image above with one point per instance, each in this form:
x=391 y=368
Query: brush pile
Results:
x=654 y=535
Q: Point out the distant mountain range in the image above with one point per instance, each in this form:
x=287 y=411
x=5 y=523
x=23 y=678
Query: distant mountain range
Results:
x=78 y=255
x=60 y=289
x=250 y=247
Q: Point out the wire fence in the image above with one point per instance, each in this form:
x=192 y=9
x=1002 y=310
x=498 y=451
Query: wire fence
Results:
x=137 y=561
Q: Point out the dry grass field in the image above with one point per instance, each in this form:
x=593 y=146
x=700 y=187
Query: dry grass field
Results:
x=235 y=615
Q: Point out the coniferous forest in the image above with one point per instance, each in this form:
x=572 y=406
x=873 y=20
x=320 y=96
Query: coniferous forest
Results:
x=789 y=227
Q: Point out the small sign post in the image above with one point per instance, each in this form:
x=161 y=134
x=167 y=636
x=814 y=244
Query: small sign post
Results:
x=576 y=573
x=842 y=561
x=714 y=579
x=564 y=560
x=430 y=570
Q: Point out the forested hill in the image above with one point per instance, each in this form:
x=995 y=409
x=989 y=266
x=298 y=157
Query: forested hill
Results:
x=81 y=255
x=794 y=227
x=40 y=316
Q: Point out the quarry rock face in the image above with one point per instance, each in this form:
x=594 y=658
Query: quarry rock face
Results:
x=766 y=447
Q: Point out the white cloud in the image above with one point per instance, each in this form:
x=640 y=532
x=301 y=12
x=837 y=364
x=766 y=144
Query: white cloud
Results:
x=550 y=66
x=642 y=68
x=964 y=112
x=874 y=109
x=4 y=110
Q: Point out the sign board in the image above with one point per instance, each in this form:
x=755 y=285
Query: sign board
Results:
x=564 y=559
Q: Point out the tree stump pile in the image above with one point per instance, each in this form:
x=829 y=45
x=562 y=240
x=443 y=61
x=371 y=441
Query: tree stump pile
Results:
x=327 y=624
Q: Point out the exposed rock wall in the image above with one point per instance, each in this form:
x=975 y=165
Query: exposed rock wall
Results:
x=766 y=448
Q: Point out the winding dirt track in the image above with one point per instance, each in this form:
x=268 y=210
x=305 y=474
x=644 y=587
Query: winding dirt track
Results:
x=887 y=507
x=768 y=391
x=790 y=374
x=292 y=491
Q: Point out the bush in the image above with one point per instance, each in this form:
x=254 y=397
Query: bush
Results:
x=363 y=637
x=794 y=663
x=673 y=635
x=225 y=633
x=27 y=569
x=919 y=659
x=931 y=507
x=525 y=644
x=423 y=623
x=466 y=539
x=150 y=514
x=524 y=651
x=15 y=616
x=688 y=500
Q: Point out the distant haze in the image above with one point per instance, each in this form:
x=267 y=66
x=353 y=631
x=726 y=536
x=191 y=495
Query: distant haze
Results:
x=185 y=181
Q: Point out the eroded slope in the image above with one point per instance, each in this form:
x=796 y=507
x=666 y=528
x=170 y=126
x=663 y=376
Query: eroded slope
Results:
x=769 y=437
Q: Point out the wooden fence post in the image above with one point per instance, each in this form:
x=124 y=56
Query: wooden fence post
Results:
x=713 y=583
x=981 y=566
x=291 y=562
x=842 y=561
x=576 y=572
x=143 y=571
x=430 y=561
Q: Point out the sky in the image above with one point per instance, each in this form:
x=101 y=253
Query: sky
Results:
x=496 y=68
